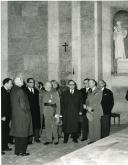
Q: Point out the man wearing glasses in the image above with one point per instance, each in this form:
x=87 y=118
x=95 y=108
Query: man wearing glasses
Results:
x=33 y=97
x=71 y=108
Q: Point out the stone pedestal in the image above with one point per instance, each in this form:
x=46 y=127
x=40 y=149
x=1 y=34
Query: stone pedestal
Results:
x=122 y=66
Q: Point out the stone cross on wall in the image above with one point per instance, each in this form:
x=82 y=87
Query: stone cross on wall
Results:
x=65 y=45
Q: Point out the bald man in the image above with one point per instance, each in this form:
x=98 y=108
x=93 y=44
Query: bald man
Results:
x=21 y=126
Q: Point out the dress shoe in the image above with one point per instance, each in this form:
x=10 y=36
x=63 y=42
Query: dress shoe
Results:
x=25 y=154
x=8 y=149
x=56 y=143
x=38 y=141
x=90 y=142
x=22 y=154
x=83 y=139
x=46 y=143
x=3 y=153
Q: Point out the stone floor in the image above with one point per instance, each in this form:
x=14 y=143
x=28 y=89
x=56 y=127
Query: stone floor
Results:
x=112 y=150
x=41 y=154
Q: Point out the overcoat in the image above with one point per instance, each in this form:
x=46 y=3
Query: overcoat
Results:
x=94 y=101
x=34 y=107
x=71 y=105
x=107 y=101
x=21 y=125
x=5 y=112
x=5 y=104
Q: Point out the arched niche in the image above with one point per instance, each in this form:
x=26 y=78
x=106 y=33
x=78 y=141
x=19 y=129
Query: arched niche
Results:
x=121 y=16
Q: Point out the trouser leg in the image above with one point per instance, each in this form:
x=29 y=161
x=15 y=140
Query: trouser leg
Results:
x=36 y=134
x=60 y=131
x=21 y=144
x=75 y=136
x=66 y=136
x=55 y=132
x=85 y=127
x=4 y=135
x=80 y=127
x=48 y=128
x=30 y=139
x=24 y=144
x=95 y=129
x=91 y=131
x=43 y=122
x=105 y=126
x=10 y=139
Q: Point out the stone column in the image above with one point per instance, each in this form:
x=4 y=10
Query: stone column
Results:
x=4 y=39
x=106 y=44
x=98 y=39
x=53 y=41
x=76 y=43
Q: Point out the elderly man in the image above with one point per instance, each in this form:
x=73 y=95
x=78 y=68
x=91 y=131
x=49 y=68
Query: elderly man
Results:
x=21 y=126
x=51 y=107
x=107 y=104
x=93 y=106
x=33 y=97
x=5 y=112
x=71 y=108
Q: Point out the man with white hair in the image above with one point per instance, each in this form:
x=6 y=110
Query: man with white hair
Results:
x=21 y=126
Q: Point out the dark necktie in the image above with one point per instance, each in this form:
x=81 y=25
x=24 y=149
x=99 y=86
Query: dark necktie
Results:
x=90 y=90
x=32 y=91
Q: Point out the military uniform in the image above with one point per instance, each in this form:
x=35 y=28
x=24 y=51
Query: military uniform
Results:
x=51 y=107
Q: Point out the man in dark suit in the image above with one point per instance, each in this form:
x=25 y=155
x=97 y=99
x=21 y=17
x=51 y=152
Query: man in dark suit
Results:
x=5 y=112
x=71 y=108
x=107 y=105
x=33 y=97
x=21 y=125
x=126 y=95
x=84 y=120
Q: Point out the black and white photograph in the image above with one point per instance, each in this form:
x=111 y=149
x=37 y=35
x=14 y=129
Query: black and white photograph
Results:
x=64 y=82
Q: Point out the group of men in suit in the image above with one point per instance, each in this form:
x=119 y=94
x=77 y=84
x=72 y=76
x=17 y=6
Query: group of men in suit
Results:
x=20 y=105
x=84 y=112
x=87 y=112
x=103 y=101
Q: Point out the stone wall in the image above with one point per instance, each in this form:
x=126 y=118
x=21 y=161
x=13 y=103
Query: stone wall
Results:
x=27 y=39
x=65 y=35
x=87 y=40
